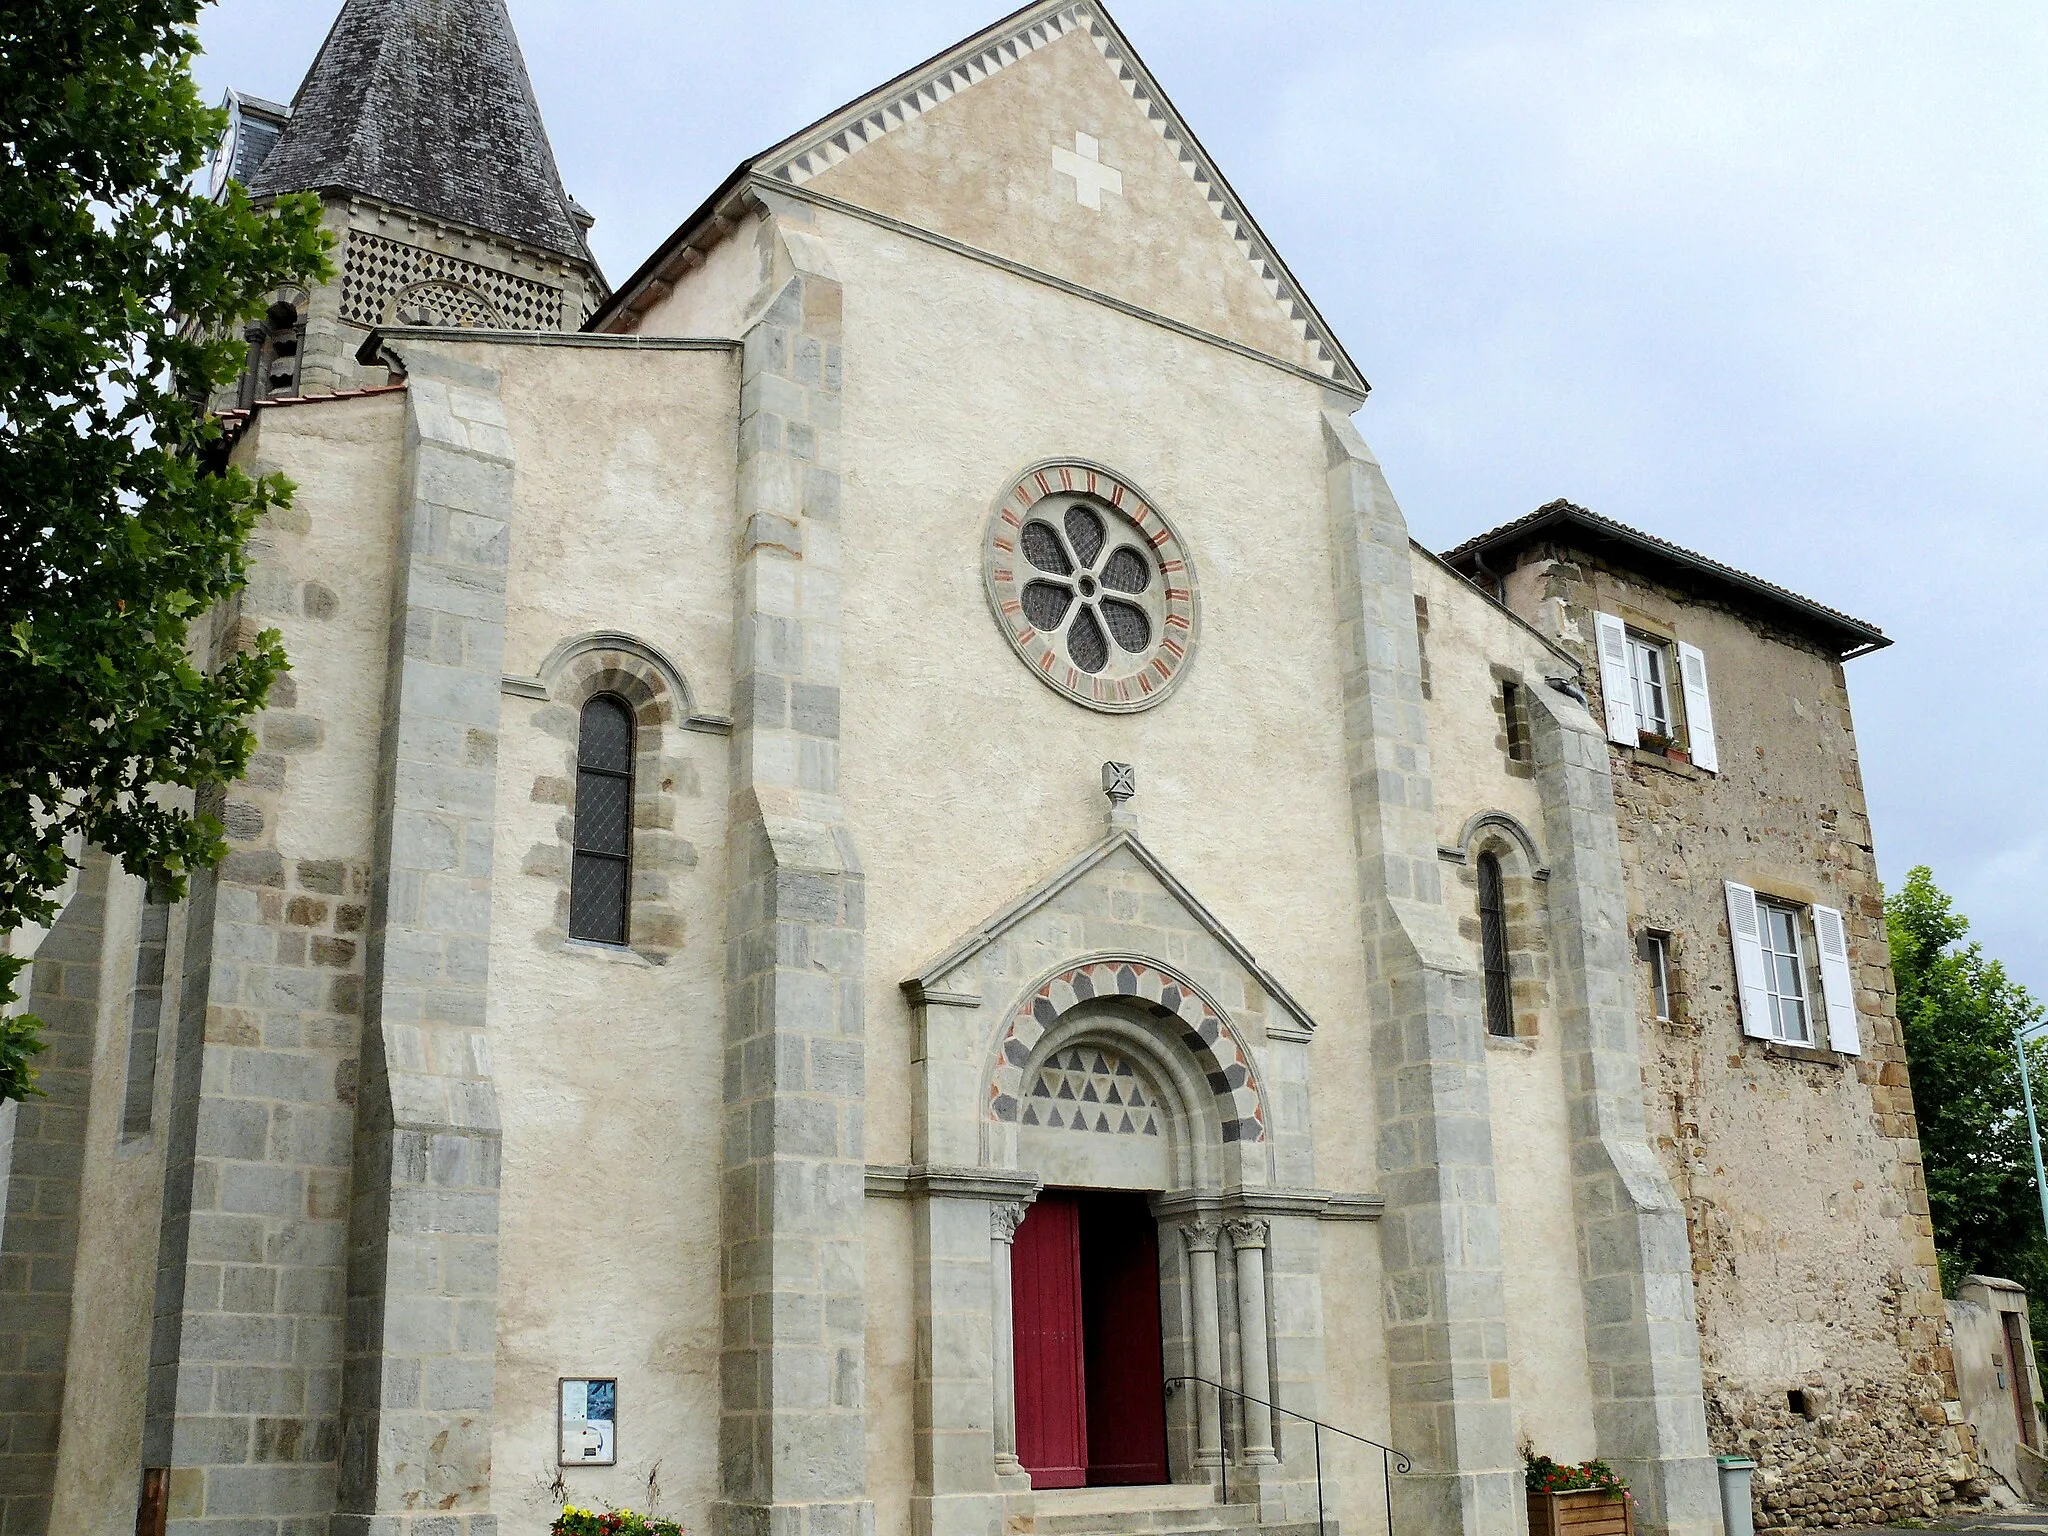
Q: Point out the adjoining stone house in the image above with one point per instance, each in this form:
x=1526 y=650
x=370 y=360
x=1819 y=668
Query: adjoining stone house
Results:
x=2001 y=1382
x=1776 y=1074
x=887 y=853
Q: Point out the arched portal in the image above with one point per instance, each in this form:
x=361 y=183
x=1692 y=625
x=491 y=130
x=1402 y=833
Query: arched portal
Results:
x=1117 y=1084
x=1164 y=1025
x=1192 y=1062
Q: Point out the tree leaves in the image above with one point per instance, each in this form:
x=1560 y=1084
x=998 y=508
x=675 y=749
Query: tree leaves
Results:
x=122 y=290
x=1959 y=1012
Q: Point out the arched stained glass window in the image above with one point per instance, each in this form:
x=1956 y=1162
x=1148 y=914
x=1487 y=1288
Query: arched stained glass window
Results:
x=1493 y=944
x=601 y=880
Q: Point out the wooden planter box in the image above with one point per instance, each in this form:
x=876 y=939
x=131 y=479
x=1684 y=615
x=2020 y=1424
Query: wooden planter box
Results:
x=1582 y=1512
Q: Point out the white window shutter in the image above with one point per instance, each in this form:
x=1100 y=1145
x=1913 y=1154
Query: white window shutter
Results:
x=1837 y=981
x=1749 y=961
x=1616 y=687
x=1699 y=709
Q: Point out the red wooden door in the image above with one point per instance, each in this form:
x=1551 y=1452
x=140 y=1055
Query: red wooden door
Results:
x=1124 y=1367
x=1045 y=1311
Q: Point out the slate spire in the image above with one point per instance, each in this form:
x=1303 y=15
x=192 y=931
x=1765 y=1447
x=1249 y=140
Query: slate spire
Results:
x=426 y=105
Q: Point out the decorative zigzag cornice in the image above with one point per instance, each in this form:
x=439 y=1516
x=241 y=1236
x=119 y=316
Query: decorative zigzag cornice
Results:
x=873 y=117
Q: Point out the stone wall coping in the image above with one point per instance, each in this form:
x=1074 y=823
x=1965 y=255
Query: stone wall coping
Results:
x=918 y=992
x=928 y=981
x=379 y=347
x=1578 y=670
x=1994 y=1283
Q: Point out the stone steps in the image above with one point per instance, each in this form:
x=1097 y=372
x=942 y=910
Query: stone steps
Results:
x=1178 y=1510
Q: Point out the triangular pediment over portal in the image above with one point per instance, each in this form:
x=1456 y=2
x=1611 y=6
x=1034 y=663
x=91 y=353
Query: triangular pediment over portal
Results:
x=1044 y=141
x=1117 y=902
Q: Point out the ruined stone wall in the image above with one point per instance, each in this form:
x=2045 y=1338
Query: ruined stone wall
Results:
x=1819 y=1303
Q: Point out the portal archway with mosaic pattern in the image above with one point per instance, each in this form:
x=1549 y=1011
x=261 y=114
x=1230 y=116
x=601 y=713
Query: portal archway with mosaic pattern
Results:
x=1094 y=1090
x=1170 y=1001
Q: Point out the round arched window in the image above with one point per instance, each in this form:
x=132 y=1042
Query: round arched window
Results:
x=1092 y=586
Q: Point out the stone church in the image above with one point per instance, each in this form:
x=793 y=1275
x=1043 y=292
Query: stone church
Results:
x=886 y=897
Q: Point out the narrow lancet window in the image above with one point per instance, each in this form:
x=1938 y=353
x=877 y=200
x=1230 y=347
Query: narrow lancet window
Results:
x=145 y=1017
x=1493 y=942
x=601 y=881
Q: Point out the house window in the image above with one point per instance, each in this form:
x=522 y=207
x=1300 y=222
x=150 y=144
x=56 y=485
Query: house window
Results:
x=1784 y=948
x=1657 y=956
x=1793 y=971
x=1649 y=671
x=1493 y=943
x=600 y=878
x=1655 y=688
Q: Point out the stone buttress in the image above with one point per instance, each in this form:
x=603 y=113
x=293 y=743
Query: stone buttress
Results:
x=423 y=1260
x=1635 y=1263
x=42 y=1162
x=792 y=1435
x=1446 y=1311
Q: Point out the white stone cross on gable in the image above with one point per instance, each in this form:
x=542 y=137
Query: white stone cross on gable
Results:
x=1091 y=177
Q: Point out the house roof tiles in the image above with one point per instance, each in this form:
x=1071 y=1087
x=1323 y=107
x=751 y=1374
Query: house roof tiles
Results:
x=1567 y=523
x=426 y=105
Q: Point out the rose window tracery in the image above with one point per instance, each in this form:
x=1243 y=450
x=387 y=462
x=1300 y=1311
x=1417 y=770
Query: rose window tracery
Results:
x=1092 y=586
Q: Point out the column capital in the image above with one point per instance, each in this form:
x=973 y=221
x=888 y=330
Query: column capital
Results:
x=1004 y=1218
x=1201 y=1236
x=1247 y=1232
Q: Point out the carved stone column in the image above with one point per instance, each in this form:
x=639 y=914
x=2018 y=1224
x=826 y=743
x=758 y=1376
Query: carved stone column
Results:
x=1003 y=1220
x=1202 y=1238
x=1249 y=1239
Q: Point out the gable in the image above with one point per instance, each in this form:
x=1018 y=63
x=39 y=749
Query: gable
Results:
x=1119 y=865
x=1045 y=142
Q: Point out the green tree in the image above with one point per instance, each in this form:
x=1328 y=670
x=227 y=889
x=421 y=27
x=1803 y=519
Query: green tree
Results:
x=1959 y=1012
x=122 y=292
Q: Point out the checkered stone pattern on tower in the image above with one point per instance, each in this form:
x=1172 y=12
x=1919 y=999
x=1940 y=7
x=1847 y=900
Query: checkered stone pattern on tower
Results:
x=1090 y=1090
x=375 y=270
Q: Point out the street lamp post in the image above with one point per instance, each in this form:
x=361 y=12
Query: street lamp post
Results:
x=2019 y=1041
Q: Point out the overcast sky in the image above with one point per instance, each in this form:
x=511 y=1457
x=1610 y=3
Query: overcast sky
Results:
x=1770 y=280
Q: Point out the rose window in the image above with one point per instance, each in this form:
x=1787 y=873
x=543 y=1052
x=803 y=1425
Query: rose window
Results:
x=1092 y=586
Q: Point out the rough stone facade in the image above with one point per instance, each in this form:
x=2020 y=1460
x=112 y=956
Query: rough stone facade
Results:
x=1824 y=1359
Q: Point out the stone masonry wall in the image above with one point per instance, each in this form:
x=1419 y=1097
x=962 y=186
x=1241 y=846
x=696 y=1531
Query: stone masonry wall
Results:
x=1799 y=1170
x=39 y=1208
x=246 y=1350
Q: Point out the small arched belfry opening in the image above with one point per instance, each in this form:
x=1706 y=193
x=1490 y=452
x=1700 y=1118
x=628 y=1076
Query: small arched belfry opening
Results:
x=1111 y=1112
x=1507 y=922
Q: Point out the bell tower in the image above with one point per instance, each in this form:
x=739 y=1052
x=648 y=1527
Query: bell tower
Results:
x=417 y=128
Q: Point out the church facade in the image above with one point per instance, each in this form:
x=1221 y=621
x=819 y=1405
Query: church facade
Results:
x=887 y=897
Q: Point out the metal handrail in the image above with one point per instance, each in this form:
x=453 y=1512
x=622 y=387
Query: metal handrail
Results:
x=1391 y=1460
